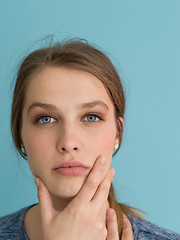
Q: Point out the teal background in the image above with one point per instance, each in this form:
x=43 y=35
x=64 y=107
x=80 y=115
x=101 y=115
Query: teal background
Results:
x=142 y=38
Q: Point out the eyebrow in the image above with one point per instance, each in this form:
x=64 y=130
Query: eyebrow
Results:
x=80 y=106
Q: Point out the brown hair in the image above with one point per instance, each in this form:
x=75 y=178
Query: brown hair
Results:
x=76 y=54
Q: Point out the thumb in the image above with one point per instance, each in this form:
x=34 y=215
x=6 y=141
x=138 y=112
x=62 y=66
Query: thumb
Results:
x=45 y=202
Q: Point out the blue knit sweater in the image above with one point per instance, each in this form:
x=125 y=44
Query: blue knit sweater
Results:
x=12 y=227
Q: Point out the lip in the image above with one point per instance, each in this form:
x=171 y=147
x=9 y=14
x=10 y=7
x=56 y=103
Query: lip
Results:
x=69 y=168
x=66 y=164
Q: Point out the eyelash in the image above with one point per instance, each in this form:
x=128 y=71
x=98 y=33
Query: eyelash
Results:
x=41 y=117
x=89 y=114
x=94 y=115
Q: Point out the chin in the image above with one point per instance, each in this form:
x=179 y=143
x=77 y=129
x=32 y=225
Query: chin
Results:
x=68 y=191
x=67 y=196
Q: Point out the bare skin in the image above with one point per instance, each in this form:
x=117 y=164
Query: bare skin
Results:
x=85 y=220
x=70 y=207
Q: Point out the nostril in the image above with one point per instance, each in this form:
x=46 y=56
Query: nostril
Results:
x=75 y=148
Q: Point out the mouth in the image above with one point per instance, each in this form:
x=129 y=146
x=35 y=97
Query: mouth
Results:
x=70 y=168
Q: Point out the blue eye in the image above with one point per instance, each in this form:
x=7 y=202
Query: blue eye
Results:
x=93 y=118
x=46 y=119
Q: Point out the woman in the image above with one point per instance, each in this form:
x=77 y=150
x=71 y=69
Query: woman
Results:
x=67 y=119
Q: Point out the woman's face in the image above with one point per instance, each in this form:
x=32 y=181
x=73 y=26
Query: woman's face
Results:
x=58 y=126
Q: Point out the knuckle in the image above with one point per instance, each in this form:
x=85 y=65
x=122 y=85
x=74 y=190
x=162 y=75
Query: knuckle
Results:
x=104 y=186
x=102 y=229
x=100 y=226
x=74 y=212
x=92 y=183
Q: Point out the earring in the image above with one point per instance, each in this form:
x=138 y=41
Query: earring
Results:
x=116 y=147
x=23 y=150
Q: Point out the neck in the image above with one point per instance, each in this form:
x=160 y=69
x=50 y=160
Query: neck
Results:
x=32 y=220
x=59 y=203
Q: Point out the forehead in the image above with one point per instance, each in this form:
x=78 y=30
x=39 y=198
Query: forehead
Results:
x=64 y=85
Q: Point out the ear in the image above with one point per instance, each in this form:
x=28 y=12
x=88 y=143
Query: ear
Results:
x=120 y=123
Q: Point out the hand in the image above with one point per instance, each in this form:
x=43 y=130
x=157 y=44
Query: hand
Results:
x=85 y=216
x=112 y=228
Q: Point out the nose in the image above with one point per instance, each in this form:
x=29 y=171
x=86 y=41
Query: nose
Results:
x=68 y=139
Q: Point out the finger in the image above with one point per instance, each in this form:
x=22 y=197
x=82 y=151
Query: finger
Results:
x=45 y=202
x=127 y=232
x=102 y=192
x=111 y=224
x=93 y=180
x=103 y=211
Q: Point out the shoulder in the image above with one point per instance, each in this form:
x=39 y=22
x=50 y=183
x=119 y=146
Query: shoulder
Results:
x=144 y=230
x=12 y=225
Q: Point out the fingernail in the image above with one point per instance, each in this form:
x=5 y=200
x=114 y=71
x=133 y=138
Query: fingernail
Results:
x=113 y=171
x=37 y=182
x=110 y=212
x=103 y=160
x=124 y=219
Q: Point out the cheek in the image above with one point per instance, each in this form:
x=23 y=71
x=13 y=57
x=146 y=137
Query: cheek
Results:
x=106 y=143
x=38 y=150
x=103 y=142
